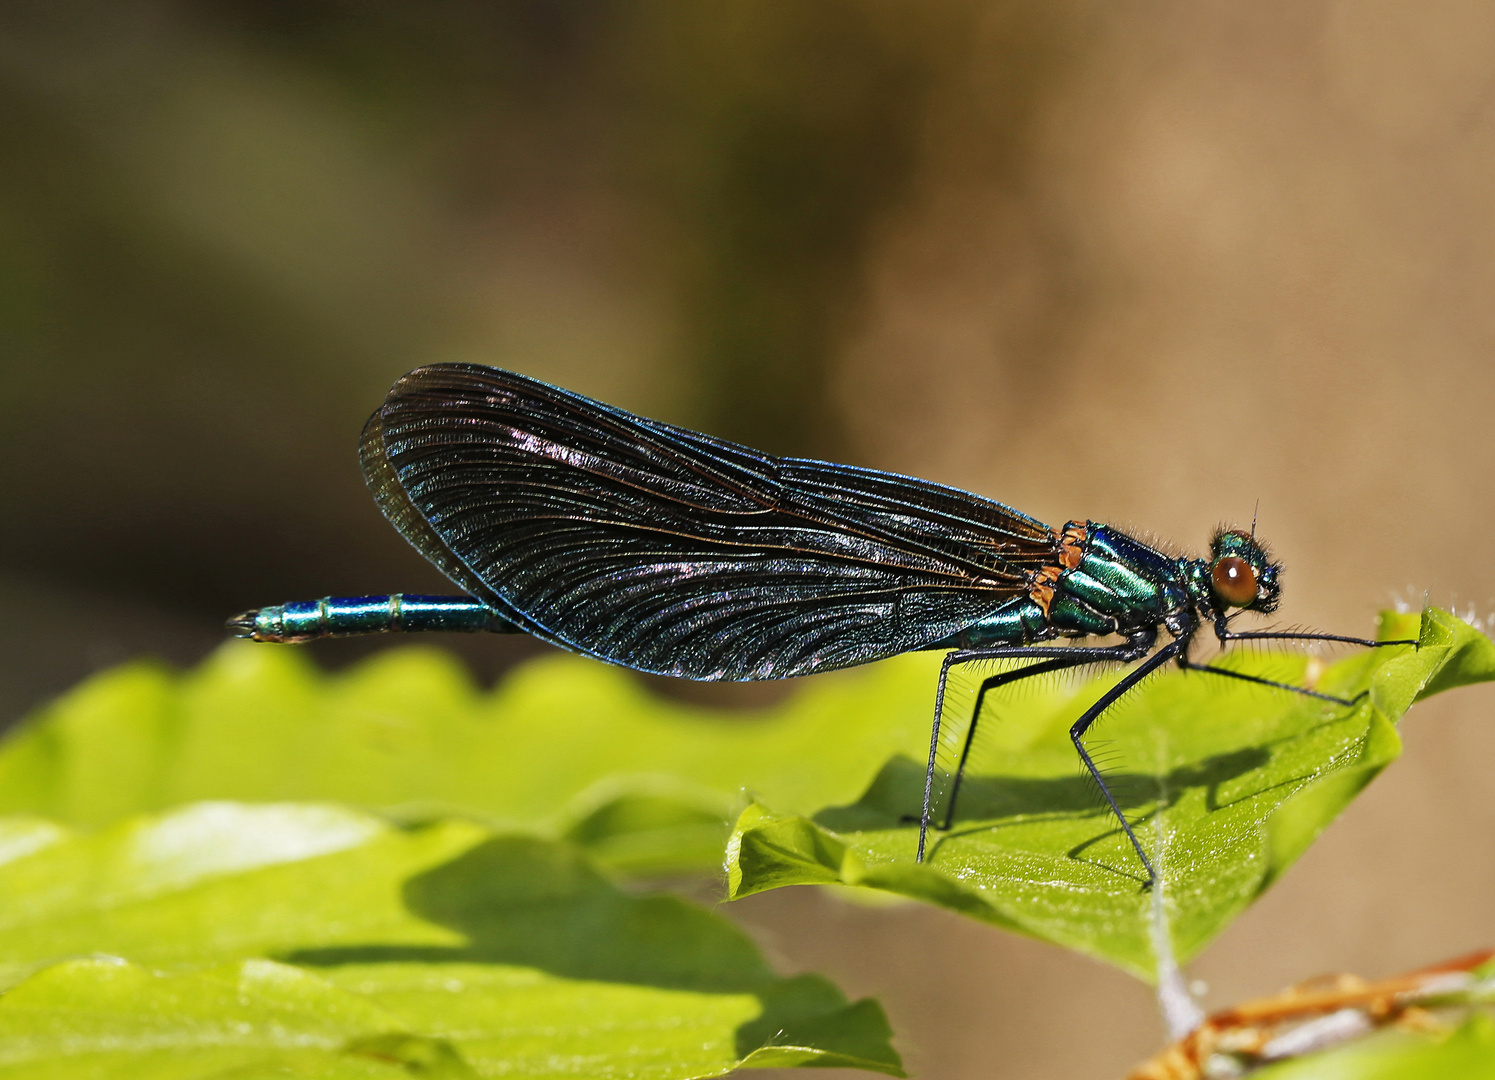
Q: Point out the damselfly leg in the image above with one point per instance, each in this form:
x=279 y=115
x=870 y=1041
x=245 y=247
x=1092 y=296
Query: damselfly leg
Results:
x=1052 y=658
x=1293 y=635
x=1056 y=659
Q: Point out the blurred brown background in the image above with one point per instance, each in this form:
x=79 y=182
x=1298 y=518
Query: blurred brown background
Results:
x=1146 y=264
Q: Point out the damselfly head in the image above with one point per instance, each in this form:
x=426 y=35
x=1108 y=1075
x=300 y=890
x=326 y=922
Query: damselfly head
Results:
x=1242 y=573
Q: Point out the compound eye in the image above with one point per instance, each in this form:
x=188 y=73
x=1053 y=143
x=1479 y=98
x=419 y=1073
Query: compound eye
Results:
x=1234 y=581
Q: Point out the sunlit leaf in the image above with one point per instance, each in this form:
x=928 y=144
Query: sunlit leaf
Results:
x=226 y=938
x=563 y=746
x=1227 y=783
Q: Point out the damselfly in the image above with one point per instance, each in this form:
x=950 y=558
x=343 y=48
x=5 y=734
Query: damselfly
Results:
x=669 y=551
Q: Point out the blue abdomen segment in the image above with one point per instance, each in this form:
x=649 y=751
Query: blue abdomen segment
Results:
x=348 y=616
x=1017 y=622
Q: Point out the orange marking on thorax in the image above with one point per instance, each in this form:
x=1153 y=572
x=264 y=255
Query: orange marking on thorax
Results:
x=1071 y=550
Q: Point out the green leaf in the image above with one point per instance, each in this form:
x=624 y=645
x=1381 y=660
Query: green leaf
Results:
x=1226 y=782
x=1230 y=782
x=319 y=941
x=565 y=746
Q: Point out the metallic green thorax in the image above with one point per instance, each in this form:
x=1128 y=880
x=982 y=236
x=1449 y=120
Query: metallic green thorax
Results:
x=1106 y=582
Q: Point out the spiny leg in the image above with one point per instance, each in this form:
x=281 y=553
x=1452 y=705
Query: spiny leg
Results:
x=1174 y=648
x=1073 y=657
x=1262 y=681
x=951 y=659
x=1080 y=726
x=1070 y=656
x=989 y=684
x=1292 y=635
x=1300 y=635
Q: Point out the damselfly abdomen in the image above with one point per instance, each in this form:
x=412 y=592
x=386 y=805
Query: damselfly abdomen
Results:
x=669 y=551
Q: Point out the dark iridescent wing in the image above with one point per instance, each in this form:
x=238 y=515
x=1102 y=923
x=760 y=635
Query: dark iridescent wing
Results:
x=669 y=551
